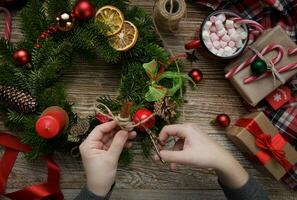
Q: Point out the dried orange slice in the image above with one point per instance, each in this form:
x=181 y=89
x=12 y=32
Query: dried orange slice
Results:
x=112 y=17
x=126 y=38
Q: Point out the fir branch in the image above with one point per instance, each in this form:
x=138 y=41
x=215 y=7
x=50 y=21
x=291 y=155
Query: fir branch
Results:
x=33 y=20
x=120 y=4
x=134 y=82
x=6 y=51
x=112 y=104
x=56 y=7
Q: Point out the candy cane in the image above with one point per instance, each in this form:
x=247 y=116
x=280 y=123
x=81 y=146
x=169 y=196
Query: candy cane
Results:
x=7 y=23
x=265 y=50
x=251 y=23
x=283 y=69
x=292 y=51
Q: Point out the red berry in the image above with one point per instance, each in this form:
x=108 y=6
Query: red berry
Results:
x=140 y=115
x=193 y=44
x=223 y=120
x=37 y=46
x=196 y=75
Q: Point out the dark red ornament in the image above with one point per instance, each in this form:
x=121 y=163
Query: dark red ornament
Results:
x=21 y=57
x=102 y=119
x=142 y=114
x=83 y=10
x=193 y=44
x=196 y=75
x=223 y=120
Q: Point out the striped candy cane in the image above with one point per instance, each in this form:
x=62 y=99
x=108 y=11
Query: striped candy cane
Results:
x=7 y=23
x=292 y=51
x=267 y=49
x=249 y=22
x=280 y=70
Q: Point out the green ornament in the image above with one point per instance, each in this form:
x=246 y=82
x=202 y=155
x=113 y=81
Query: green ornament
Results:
x=258 y=67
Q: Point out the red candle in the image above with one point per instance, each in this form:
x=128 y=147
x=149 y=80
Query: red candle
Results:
x=51 y=122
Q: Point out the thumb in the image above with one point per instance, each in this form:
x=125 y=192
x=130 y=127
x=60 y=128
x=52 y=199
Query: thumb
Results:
x=173 y=156
x=118 y=143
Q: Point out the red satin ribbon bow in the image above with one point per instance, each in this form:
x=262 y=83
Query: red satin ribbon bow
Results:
x=271 y=147
x=47 y=190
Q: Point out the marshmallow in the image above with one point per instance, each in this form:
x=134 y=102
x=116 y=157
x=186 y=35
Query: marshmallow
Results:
x=207 y=25
x=235 y=37
x=240 y=30
x=231 y=30
x=221 y=17
x=213 y=19
x=219 y=25
x=237 y=25
x=222 y=32
x=243 y=35
x=208 y=44
x=220 y=52
x=214 y=37
x=228 y=51
x=226 y=38
x=213 y=29
x=205 y=35
x=229 y=24
x=239 y=44
x=223 y=43
x=231 y=44
x=216 y=44
x=214 y=50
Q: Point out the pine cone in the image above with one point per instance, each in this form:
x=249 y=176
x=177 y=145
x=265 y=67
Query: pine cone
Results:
x=80 y=128
x=166 y=109
x=17 y=99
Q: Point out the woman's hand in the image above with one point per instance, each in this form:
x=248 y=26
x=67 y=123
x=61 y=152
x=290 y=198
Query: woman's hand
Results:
x=193 y=147
x=100 y=154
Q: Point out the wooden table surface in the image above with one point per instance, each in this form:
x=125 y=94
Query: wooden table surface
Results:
x=144 y=179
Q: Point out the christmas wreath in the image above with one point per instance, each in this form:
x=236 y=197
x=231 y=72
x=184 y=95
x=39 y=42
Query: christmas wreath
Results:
x=33 y=100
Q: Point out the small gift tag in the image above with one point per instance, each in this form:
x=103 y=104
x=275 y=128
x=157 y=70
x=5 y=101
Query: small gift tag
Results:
x=279 y=97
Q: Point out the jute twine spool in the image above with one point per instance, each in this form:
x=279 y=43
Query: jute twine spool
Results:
x=168 y=13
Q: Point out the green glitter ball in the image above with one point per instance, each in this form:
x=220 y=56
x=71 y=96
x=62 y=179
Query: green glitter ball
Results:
x=258 y=67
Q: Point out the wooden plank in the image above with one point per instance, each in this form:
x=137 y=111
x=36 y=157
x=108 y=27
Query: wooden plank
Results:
x=144 y=179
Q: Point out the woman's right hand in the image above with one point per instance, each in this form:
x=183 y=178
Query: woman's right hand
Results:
x=193 y=147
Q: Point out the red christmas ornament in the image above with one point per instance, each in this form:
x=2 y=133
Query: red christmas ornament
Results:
x=193 y=44
x=196 y=75
x=52 y=121
x=102 y=119
x=83 y=10
x=140 y=115
x=223 y=120
x=21 y=57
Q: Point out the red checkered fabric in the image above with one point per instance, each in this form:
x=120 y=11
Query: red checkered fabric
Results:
x=269 y=13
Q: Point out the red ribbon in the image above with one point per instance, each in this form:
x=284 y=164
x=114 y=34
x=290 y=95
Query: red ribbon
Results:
x=271 y=147
x=47 y=190
x=7 y=23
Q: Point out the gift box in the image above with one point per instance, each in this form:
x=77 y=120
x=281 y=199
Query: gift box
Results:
x=257 y=137
x=257 y=90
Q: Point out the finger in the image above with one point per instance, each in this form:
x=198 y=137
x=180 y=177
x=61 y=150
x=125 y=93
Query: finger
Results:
x=171 y=130
x=173 y=156
x=132 y=135
x=101 y=130
x=118 y=143
x=177 y=147
x=128 y=145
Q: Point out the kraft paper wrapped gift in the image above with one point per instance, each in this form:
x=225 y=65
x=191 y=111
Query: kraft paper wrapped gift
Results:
x=254 y=92
x=251 y=134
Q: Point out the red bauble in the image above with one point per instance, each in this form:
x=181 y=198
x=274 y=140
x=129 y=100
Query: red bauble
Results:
x=140 y=115
x=83 y=10
x=223 y=120
x=21 y=57
x=193 y=44
x=196 y=75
